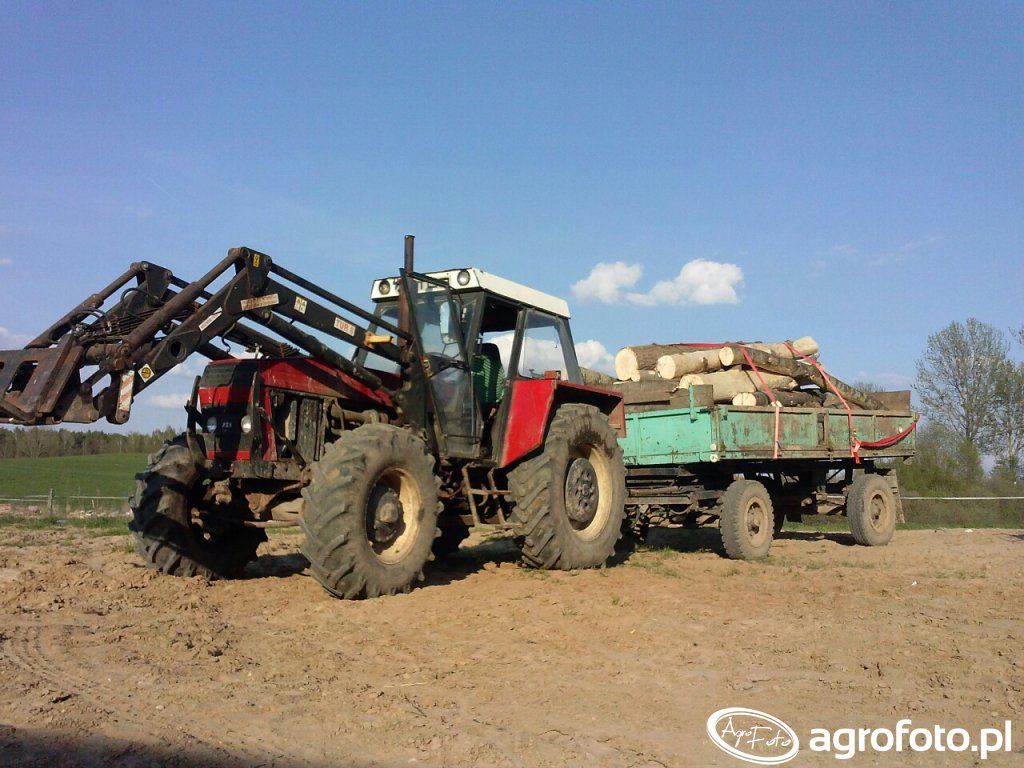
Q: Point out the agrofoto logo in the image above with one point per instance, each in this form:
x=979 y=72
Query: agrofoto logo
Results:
x=753 y=736
x=757 y=737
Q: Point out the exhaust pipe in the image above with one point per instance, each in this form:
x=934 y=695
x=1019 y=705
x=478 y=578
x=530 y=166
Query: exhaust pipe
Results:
x=404 y=323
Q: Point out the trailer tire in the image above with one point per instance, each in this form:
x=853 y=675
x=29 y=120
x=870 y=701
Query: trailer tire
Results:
x=569 y=498
x=370 y=512
x=166 y=538
x=871 y=510
x=746 y=521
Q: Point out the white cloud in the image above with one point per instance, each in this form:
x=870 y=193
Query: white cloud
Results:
x=184 y=369
x=173 y=400
x=607 y=281
x=542 y=354
x=699 y=282
x=5 y=262
x=593 y=354
x=10 y=340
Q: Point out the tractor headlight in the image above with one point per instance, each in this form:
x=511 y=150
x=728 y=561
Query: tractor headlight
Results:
x=211 y=425
x=246 y=424
x=384 y=287
x=462 y=278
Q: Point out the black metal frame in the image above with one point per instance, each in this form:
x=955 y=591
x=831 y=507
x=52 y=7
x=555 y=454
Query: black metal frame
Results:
x=160 y=320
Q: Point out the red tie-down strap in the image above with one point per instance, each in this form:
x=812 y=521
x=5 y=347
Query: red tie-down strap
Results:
x=855 y=444
x=775 y=401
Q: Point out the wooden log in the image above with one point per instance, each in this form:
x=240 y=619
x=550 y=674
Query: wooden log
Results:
x=630 y=360
x=728 y=384
x=594 y=378
x=681 y=363
x=645 y=376
x=808 y=374
x=788 y=399
x=731 y=355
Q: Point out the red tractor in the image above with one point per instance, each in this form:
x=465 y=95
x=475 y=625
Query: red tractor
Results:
x=462 y=405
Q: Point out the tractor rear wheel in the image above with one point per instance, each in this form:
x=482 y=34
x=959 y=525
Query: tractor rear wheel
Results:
x=371 y=512
x=569 y=498
x=166 y=537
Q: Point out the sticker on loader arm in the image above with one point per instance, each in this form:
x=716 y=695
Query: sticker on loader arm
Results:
x=344 y=327
x=146 y=373
x=259 y=302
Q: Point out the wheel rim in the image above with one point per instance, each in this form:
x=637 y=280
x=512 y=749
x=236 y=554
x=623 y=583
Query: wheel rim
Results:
x=581 y=493
x=757 y=523
x=587 y=493
x=393 y=515
x=879 y=512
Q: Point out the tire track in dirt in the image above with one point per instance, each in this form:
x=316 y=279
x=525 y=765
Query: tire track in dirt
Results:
x=39 y=651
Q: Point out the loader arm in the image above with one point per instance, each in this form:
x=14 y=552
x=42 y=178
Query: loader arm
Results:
x=93 y=361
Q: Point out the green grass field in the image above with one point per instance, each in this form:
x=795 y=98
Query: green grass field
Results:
x=113 y=474
x=107 y=474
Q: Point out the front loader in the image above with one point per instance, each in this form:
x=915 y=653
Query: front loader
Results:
x=461 y=405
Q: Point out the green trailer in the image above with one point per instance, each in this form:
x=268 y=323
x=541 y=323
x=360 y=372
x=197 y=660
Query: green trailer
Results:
x=690 y=461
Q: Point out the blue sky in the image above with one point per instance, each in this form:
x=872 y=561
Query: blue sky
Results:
x=859 y=164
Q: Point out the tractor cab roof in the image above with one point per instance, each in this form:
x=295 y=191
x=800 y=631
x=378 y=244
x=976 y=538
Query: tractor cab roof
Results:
x=471 y=280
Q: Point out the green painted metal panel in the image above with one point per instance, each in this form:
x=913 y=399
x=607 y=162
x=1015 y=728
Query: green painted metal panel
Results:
x=724 y=433
x=673 y=436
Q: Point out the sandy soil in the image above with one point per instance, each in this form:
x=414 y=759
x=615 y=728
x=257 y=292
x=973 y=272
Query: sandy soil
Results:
x=489 y=664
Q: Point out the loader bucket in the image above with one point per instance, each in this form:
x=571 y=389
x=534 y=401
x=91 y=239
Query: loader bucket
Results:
x=32 y=381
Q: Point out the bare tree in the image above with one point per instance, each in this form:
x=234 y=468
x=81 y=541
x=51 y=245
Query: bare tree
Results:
x=1008 y=431
x=958 y=378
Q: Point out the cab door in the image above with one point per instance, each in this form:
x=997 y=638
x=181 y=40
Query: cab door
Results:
x=437 y=317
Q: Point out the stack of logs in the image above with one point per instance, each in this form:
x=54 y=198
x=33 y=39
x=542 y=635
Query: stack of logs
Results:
x=730 y=370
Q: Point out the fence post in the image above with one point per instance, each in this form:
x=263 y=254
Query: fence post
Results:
x=49 y=503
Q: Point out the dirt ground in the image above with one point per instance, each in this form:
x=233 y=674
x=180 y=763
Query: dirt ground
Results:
x=489 y=664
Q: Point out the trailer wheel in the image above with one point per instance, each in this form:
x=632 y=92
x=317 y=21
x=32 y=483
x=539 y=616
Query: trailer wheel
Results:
x=871 y=510
x=569 y=498
x=746 y=521
x=371 y=512
x=165 y=536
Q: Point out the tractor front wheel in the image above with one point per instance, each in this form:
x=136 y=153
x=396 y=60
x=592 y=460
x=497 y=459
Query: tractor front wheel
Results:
x=167 y=538
x=370 y=512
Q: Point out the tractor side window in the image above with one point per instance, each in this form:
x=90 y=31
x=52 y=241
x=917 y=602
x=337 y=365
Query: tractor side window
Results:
x=546 y=346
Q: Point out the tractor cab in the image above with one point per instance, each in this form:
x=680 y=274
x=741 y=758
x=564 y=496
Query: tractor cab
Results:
x=490 y=347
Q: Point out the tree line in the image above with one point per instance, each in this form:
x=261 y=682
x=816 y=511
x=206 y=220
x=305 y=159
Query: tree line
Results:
x=35 y=442
x=970 y=388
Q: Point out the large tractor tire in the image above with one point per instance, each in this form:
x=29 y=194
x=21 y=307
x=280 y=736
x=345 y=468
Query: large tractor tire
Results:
x=871 y=510
x=569 y=498
x=165 y=536
x=371 y=512
x=746 y=521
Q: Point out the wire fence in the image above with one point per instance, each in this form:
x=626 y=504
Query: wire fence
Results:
x=965 y=511
x=53 y=504
x=944 y=511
